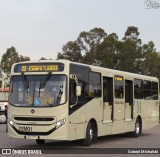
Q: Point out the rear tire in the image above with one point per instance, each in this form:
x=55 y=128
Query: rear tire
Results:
x=138 y=129
x=39 y=141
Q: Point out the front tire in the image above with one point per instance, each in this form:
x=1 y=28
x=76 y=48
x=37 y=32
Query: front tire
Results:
x=91 y=134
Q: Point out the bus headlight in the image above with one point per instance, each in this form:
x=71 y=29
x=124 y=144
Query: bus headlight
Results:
x=11 y=123
x=60 y=123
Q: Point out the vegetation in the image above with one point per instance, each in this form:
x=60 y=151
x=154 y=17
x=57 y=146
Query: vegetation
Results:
x=11 y=56
x=129 y=54
x=96 y=47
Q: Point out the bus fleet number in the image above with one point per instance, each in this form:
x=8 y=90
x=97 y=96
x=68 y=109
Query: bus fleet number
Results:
x=25 y=128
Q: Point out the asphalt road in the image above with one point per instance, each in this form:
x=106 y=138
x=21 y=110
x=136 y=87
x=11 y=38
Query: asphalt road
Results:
x=149 y=139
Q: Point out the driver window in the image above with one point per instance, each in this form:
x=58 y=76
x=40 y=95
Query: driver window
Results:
x=72 y=97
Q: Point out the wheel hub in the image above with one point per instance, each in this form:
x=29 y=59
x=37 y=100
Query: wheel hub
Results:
x=91 y=134
x=137 y=128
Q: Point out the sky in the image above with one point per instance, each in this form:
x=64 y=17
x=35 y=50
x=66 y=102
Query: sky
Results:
x=40 y=28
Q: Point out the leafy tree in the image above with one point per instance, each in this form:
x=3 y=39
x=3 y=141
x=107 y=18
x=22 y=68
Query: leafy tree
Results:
x=85 y=48
x=23 y=58
x=130 y=51
x=11 y=56
x=151 y=59
x=129 y=54
x=132 y=34
x=71 y=51
x=106 y=54
x=89 y=43
x=43 y=58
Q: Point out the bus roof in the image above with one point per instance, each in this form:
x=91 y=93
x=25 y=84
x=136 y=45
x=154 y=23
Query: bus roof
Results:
x=92 y=67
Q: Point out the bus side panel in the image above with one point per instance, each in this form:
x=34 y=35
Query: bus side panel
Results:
x=80 y=118
x=76 y=131
x=72 y=133
x=77 y=124
x=153 y=115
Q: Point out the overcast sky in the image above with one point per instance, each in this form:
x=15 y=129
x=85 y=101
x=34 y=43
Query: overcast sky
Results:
x=39 y=28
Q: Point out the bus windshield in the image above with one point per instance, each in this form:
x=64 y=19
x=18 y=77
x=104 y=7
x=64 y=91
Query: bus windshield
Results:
x=37 y=90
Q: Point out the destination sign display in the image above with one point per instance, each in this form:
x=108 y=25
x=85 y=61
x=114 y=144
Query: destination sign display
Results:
x=118 y=78
x=39 y=67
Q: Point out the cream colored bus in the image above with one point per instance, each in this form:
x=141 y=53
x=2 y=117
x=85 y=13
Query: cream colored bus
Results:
x=63 y=100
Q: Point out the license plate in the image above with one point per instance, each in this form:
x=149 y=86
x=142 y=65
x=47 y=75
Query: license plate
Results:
x=29 y=137
x=25 y=128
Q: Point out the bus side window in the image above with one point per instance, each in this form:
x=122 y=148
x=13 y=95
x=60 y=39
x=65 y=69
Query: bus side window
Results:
x=108 y=90
x=118 y=85
x=95 y=84
x=72 y=98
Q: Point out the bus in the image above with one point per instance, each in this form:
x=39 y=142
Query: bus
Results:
x=4 y=92
x=63 y=101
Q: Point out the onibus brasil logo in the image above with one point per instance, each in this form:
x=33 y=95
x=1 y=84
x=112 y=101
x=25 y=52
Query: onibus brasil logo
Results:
x=150 y=4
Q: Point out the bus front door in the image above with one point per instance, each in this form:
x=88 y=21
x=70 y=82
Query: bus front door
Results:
x=128 y=100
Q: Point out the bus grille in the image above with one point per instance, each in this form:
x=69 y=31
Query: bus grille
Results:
x=33 y=119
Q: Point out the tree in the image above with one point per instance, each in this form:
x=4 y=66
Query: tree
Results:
x=106 y=53
x=71 y=51
x=23 y=58
x=89 y=43
x=132 y=34
x=129 y=54
x=43 y=58
x=130 y=51
x=85 y=48
x=10 y=57
x=151 y=60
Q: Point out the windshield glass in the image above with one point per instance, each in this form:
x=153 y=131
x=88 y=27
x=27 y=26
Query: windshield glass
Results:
x=39 y=90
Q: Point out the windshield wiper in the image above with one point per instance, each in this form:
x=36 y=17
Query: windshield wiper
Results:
x=44 y=82
x=34 y=88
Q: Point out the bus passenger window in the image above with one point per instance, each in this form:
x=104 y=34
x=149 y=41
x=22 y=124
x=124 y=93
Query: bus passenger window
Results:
x=154 y=90
x=147 y=90
x=108 y=90
x=138 y=89
x=94 y=84
x=118 y=85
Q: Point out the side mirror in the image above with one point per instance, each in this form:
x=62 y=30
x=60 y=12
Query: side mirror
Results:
x=78 y=90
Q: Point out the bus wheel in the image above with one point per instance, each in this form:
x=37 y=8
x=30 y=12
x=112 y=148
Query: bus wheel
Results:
x=40 y=141
x=138 y=129
x=91 y=134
